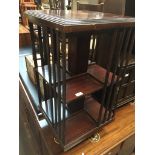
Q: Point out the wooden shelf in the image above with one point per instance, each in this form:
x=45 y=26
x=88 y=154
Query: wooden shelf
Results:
x=78 y=125
x=99 y=73
x=92 y=107
x=84 y=83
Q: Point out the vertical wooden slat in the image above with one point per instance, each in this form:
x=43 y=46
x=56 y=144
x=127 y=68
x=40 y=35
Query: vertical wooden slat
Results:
x=130 y=47
x=35 y=60
x=64 y=84
x=110 y=63
x=106 y=79
x=50 y=73
x=40 y=45
x=113 y=81
x=120 y=44
x=53 y=52
x=125 y=56
x=58 y=84
x=45 y=63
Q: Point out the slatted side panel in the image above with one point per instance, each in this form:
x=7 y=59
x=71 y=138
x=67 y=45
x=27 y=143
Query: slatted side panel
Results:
x=49 y=42
x=121 y=45
x=125 y=58
x=35 y=51
x=52 y=54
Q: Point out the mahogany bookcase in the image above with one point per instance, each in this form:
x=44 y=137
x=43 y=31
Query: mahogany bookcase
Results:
x=77 y=95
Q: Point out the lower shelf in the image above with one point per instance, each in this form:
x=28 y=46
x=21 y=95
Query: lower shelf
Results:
x=79 y=125
x=92 y=107
x=84 y=84
x=100 y=73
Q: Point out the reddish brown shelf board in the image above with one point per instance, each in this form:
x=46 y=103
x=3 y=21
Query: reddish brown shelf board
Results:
x=85 y=84
x=99 y=73
x=92 y=107
x=77 y=126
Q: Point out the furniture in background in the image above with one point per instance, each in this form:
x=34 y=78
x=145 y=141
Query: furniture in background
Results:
x=124 y=88
x=57 y=4
x=90 y=7
x=26 y=5
x=69 y=5
x=130 y=8
x=120 y=7
x=24 y=36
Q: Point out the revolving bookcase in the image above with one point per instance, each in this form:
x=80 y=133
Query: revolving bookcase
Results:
x=75 y=93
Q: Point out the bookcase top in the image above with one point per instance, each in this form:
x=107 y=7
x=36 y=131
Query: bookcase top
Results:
x=75 y=21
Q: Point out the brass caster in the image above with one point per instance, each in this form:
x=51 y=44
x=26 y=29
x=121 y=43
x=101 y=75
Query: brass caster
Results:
x=56 y=141
x=95 y=138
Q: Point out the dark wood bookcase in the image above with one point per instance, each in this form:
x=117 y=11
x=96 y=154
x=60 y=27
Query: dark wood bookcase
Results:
x=76 y=93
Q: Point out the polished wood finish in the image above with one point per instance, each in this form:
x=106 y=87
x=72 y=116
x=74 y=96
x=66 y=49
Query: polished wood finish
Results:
x=55 y=25
x=99 y=73
x=73 y=130
x=75 y=21
x=68 y=21
x=85 y=84
x=92 y=106
x=116 y=138
x=111 y=135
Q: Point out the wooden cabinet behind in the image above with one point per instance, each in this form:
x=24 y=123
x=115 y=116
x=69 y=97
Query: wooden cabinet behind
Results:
x=120 y=7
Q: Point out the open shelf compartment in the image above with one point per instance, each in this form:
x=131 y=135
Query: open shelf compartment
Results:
x=78 y=125
x=99 y=73
x=81 y=85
